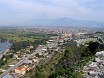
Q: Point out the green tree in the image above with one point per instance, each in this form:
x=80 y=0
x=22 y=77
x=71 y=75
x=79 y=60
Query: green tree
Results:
x=93 y=46
x=40 y=72
x=68 y=53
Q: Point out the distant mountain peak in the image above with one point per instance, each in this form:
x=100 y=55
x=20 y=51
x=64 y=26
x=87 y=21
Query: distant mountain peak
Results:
x=73 y=22
x=65 y=22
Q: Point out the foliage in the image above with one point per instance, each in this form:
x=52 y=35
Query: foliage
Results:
x=93 y=46
x=39 y=42
x=20 y=45
x=3 y=40
x=5 y=58
x=68 y=53
x=40 y=72
x=65 y=72
x=70 y=68
x=73 y=70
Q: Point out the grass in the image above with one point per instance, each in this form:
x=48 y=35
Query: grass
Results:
x=18 y=39
x=14 y=35
x=48 y=65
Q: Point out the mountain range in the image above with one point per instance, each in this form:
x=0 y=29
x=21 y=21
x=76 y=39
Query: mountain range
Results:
x=73 y=22
x=66 y=22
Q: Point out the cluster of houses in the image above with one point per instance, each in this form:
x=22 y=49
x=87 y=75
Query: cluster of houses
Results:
x=18 y=72
x=83 y=41
x=45 y=51
x=95 y=69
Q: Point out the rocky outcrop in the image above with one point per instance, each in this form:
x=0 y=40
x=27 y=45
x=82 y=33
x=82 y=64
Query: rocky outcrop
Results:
x=95 y=69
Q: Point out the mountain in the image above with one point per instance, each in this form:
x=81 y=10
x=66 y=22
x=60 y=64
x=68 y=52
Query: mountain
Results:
x=73 y=22
x=64 y=22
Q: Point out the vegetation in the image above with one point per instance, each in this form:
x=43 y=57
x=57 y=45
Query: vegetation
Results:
x=13 y=35
x=20 y=45
x=69 y=65
x=21 y=41
x=62 y=65
x=5 y=59
x=3 y=40
x=44 y=68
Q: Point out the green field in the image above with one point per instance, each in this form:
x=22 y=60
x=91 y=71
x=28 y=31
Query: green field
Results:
x=18 y=39
x=17 y=36
x=14 y=35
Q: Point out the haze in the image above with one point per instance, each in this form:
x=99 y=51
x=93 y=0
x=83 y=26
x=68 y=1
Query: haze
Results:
x=22 y=12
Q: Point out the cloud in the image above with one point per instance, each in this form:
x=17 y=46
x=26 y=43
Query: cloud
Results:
x=13 y=11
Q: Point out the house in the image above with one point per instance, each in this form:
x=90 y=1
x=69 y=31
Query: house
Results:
x=26 y=67
x=11 y=65
x=40 y=53
x=28 y=61
x=31 y=47
x=15 y=56
x=35 y=60
x=20 y=70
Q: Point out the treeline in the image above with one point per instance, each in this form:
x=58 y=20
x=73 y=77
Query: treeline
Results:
x=38 y=35
x=16 y=46
x=20 y=45
x=5 y=58
x=3 y=40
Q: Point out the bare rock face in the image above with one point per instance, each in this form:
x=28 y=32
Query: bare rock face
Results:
x=95 y=69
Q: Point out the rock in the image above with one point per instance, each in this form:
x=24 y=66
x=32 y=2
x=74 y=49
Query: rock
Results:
x=98 y=60
x=95 y=69
x=92 y=73
x=93 y=64
x=100 y=53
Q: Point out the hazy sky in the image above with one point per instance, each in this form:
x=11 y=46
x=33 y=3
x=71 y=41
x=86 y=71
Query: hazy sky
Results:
x=18 y=11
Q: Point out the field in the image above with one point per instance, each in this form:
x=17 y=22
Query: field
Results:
x=17 y=36
x=13 y=35
x=18 y=39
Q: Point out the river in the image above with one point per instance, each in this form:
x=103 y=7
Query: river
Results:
x=4 y=46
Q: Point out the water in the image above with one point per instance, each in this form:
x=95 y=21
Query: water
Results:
x=4 y=46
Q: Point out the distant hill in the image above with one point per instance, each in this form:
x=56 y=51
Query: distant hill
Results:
x=65 y=22
x=73 y=22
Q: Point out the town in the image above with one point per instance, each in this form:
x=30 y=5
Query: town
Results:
x=28 y=58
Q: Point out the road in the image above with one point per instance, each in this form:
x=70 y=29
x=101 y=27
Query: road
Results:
x=39 y=49
x=3 y=53
x=20 y=62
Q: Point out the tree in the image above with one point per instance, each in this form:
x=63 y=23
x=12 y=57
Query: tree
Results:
x=69 y=56
x=40 y=72
x=68 y=52
x=20 y=45
x=93 y=46
x=83 y=52
x=37 y=55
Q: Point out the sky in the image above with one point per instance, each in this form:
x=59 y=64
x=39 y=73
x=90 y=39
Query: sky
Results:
x=18 y=12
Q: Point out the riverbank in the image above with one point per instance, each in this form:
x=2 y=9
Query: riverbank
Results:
x=4 y=48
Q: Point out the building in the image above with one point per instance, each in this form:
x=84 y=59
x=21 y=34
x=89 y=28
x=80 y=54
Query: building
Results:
x=21 y=70
x=65 y=34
